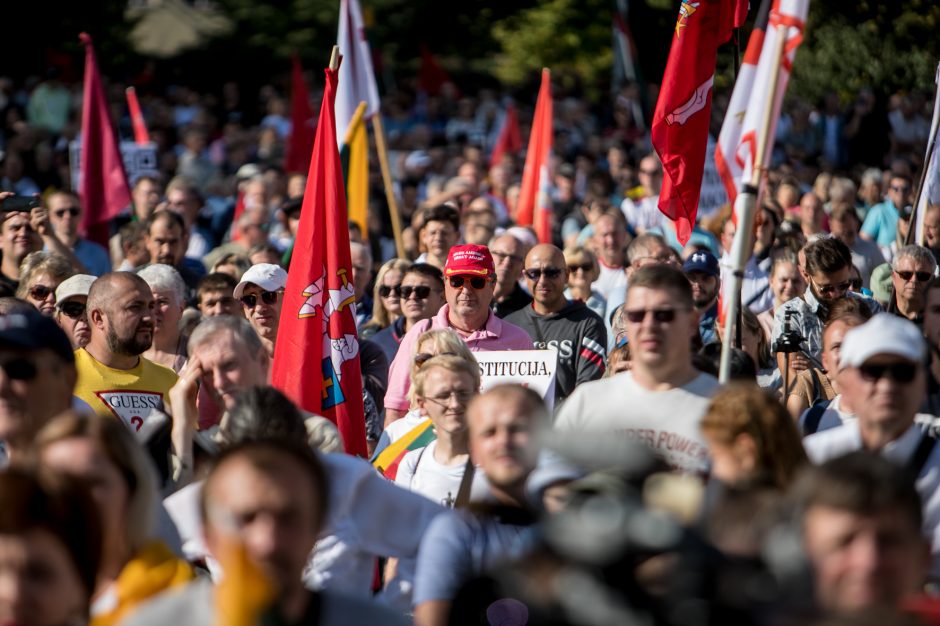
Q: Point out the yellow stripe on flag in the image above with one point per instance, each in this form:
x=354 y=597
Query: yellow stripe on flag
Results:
x=394 y=450
x=357 y=179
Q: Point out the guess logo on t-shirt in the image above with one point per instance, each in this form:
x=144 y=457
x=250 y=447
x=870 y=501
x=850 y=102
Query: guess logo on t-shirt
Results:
x=132 y=407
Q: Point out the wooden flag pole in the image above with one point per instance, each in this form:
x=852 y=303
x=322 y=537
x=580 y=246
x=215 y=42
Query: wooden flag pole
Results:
x=387 y=180
x=744 y=207
x=334 y=58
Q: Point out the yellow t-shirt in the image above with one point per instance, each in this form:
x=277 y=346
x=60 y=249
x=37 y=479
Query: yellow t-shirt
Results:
x=130 y=395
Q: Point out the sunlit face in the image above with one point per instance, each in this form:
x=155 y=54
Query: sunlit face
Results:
x=609 y=240
x=213 y=303
x=910 y=279
x=167 y=313
x=71 y=317
x=264 y=317
x=41 y=293
x=128 y=320
x=503 y=441
x=392 y=282
x=444 y=399
x=229 y=368
x=655 y=343
x=786 y=283
x=439 y=237
x=165 y=243
x=413 y=306
x=469 y=303
x=17 y=237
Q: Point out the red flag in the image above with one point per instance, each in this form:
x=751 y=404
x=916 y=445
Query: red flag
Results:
x=316 y=358
x=534 y=200
x=683 y=110
x=431 y=76
x=239 y=209
x=300 y=142
x=509 y=138
x=141 y=136
x=103 y=184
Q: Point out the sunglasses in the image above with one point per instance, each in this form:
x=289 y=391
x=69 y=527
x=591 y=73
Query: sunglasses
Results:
x=268 y=297
x=535 y=273
x=385 y=290
x=423 y=357
x=856 y=283
x=584 y=267
x=421 y=292
x=477 y=282
x=830 y=289
x=60 y=213
x=40 y=292
x=899 y=372
x=72 y=309
x=922 y=277
x=19 y=368
x=663 y=316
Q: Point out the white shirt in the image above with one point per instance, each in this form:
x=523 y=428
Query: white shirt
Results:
x=420 y=472
x=609 y=280
x=643 y=214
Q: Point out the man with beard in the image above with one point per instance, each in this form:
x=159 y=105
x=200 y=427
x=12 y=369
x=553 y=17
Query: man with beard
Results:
x=576 y=332
x=113 y=378
x=702 y=270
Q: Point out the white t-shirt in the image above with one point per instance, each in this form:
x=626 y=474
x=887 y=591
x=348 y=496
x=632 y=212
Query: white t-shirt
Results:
x=609 y=280
x=667 y=422
x=420 y=472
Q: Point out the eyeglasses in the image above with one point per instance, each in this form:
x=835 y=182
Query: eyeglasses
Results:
x=463 y=397
x=663 y=316
x=40 y=292
x=60 y=213
x=477 y=282
x=421 y=292
x=423 y=357
x=268 y=297
x=899 y=372
x=386 y=290
x=72 y=309
x=19 y=368
x=551 y=273
x=584 y=267
x=827 y=290
x=922 y=277
x=499 y=256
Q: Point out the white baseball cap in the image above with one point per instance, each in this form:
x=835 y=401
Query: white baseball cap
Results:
x=882 y=334
x=78 y=285
x=268 y=276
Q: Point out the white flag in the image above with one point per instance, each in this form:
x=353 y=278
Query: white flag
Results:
x=356 y=77
x=930 y=192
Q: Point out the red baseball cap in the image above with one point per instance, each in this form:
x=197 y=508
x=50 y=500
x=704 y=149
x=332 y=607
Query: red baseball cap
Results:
x=472 y=259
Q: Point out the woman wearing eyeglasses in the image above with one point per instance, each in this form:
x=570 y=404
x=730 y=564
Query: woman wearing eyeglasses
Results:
x=71 y=296
x=40 y=274
x=386 y=297
x=583 y=270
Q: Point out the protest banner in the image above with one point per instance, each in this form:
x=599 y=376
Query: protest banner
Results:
x=139 y=160
x=532 y=368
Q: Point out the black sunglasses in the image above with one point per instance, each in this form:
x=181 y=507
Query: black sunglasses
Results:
x=899 y=372
x=584 y=267
x=477 y=282
x=40 y=292
x=19 y=368
x=536 y=273
x=60 y=213
x=922 y=277
x=385 y=291
x=268 y=297
x=72 y=309
x=660 y=315
x=421 y=292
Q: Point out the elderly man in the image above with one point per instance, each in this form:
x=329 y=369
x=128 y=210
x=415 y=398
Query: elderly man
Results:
x=508 y=256
x=661 y=400
x=37 y=375
x=260 y=291
x=71 y=296
x=65 y=215
x=609 y=241
x=504 y=424
x=572 y=329
x=912 y=269
x=468 y=288
x=883 y=372
x=113 y=378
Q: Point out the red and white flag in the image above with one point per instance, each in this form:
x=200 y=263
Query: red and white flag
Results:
x=736 y=151
x=534 y=207
x=356 y=76
x=683 y=110
x=316 y=358
x=103 y=186
x=509 y=138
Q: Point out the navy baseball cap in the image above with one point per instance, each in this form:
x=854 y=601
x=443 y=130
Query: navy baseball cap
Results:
x=702 y=261
x=33 y=331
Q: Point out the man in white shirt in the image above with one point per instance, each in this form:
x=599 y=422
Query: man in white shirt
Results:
x=643 y=213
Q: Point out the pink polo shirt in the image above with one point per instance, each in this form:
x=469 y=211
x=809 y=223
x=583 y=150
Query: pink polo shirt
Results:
x=497 y=334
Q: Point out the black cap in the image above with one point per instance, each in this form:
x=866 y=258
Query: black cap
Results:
x=33 y=331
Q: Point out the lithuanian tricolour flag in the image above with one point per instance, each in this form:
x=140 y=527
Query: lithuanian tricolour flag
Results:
x=388 y=459
x=354 y=155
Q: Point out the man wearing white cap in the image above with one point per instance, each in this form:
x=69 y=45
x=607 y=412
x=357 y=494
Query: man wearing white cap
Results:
x=70 y=298
x=883 y=372
x=260 y=291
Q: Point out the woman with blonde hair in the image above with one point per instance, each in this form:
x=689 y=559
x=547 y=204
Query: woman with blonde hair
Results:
x=386 y=296
x=102 y=453
x=40 y=274
x=583 y=270
x=751 y=439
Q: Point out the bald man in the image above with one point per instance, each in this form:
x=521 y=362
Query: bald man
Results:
x=113 y=378
x=554 y=322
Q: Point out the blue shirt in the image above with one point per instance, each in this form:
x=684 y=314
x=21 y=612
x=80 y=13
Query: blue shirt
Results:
x=93 y=256
x=881 y=223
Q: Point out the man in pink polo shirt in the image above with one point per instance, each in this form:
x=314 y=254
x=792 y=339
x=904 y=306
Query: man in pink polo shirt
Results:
x=469 y=282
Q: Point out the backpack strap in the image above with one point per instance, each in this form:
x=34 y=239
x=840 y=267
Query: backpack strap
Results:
x=919 y=459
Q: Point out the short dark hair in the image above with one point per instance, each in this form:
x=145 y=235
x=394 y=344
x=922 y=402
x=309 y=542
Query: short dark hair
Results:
x=862 y=483
x=442 y=213
x=166 y=216
x=132 y=232
x=659 y=276
x=827 y=255
x=216 y=281
x=428 y=271
x=263 y=413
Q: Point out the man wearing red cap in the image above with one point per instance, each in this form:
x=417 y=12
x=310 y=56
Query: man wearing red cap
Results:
x=469 y=282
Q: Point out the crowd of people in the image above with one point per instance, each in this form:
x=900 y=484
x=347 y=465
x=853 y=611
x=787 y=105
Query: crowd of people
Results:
x=152 y=475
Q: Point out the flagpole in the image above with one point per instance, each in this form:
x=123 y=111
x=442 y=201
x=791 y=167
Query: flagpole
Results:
x=387 y=180
x=917 y=217
x=744 y=208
